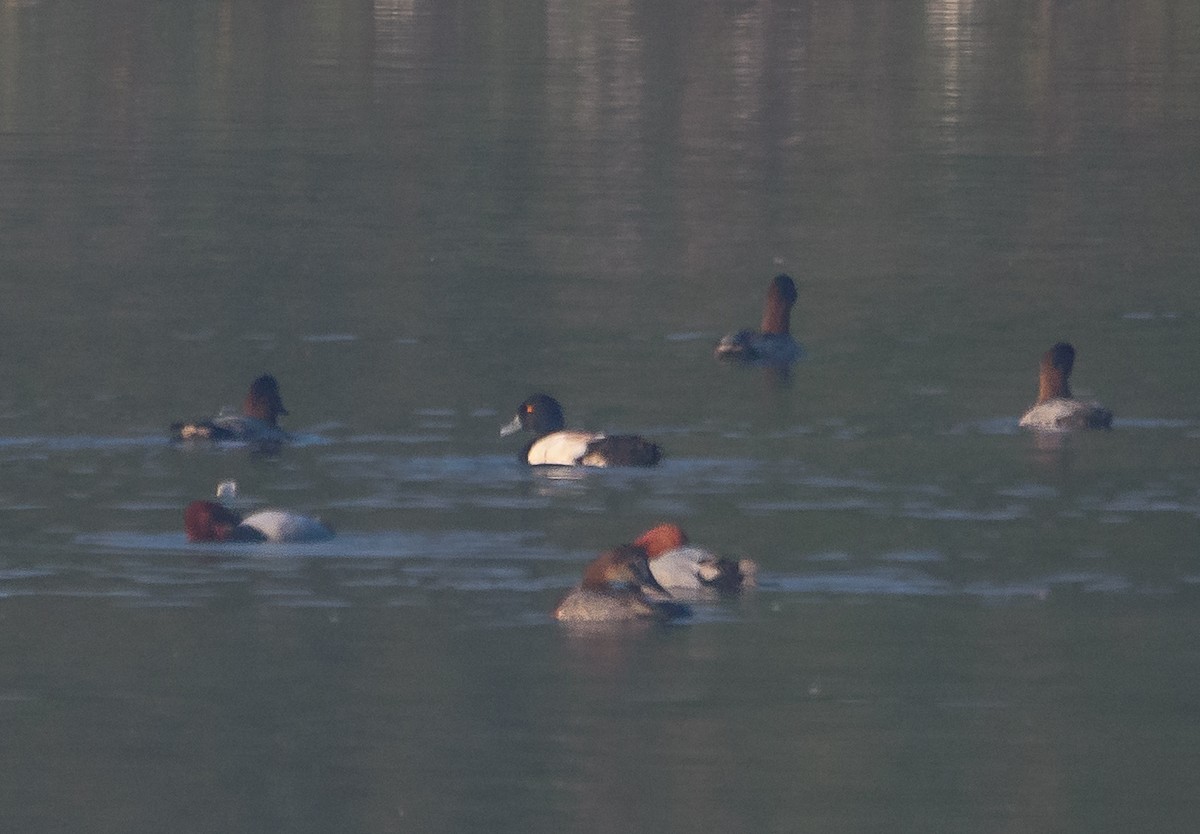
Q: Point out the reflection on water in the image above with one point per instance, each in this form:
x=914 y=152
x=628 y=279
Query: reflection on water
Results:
x=413 y=213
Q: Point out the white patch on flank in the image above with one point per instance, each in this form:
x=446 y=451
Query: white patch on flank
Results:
x=1051 y=413
x=562 y=448
x=281 y=526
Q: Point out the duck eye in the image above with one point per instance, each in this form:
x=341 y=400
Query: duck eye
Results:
x=529 y=409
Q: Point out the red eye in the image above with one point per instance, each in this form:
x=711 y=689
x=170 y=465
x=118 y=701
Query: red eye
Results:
x=528 y=409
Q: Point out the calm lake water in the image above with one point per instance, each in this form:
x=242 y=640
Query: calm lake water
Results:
x=415 y=214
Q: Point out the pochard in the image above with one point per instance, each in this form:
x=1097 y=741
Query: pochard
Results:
x=258 y=421
x=1056 y=409
x=618 y=586
x=772 y=343
x=678 y=566
x=208 y=521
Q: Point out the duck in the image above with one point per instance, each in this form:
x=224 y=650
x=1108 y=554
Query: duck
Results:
x=772 y=343
x=1056 y=409
x=618 y=586
x=555 y=445
x=258 y=421
x=679 y=566
x=209 y=521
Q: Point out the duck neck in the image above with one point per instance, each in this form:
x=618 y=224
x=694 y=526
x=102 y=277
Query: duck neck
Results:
x=257 y=408
x=777 y=316
x=1052 y=384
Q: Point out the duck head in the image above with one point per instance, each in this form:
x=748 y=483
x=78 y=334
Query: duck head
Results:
x=540 y=414
x=208 y=521
x=660 y=539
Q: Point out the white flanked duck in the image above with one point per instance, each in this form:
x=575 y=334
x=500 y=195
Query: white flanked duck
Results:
x=618 y=586
x=257 y=423
x=679 y=566
x=555 y=445
x=208 y=521
x=772 y=343
x=1056 y=409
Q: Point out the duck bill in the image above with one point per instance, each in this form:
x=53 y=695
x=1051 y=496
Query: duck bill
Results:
x=512 y=427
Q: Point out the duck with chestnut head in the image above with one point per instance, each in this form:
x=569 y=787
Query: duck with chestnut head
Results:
x=772 y=343
x=681 y=567
x=208 y=521
x=1056 y=409
x=618 y=586
x=258 y=421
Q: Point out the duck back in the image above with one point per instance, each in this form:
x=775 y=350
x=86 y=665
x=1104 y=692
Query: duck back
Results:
x=590 y=605
x=282 y=526
x=1062 y=413
x=621 y=450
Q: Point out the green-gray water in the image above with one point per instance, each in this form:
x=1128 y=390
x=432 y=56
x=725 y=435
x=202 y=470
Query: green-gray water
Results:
x=415 y=214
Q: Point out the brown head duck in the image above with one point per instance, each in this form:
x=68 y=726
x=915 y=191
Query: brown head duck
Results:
x=1056 y=409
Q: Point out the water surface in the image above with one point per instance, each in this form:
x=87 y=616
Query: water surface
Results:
x=414 y=215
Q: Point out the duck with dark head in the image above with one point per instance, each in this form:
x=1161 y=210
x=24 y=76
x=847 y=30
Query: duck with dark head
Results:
x=555 y=445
